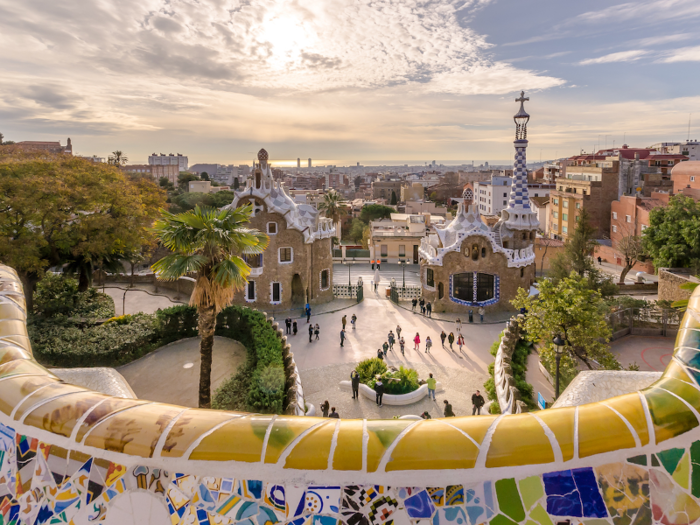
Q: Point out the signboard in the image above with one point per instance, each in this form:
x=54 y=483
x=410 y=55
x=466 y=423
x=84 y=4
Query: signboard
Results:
x=540 y=401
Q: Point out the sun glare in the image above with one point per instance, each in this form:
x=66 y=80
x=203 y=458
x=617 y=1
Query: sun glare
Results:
x=288 y=37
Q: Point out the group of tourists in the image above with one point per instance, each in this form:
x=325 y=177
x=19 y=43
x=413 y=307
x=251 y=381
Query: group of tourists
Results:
x=425 y=308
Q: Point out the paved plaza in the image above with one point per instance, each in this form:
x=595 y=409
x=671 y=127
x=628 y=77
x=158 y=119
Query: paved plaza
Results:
x=652 y=354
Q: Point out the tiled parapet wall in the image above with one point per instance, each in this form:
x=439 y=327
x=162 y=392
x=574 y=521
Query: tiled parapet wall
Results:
x=69 y=455
x=506 y=391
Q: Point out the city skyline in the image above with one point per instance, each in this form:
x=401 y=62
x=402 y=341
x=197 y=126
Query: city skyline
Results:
x=416 y=81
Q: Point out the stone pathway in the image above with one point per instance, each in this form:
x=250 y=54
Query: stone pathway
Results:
x=171 y=373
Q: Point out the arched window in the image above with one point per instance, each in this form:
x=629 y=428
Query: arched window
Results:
x=441 y=291
x=524 y=236
x=522 y=272
x=483 y=253
x=475 y=252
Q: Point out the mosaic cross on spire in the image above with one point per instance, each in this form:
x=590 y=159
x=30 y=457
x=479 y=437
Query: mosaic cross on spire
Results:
x=521 y=118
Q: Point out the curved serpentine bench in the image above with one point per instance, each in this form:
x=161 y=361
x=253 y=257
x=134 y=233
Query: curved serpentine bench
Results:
x=68 y=453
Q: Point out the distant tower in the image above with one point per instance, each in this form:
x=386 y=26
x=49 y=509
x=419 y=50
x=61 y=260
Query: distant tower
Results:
x=519 y=215
x=298 y=162
x=309 y=162
x=358 y=164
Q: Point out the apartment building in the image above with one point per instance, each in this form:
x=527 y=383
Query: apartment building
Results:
x=170 y=159
x=399 y=238
x=491 y=196
x=591 y=183
x=170 y=172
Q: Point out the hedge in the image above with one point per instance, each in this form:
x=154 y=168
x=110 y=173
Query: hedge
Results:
x=257 y=386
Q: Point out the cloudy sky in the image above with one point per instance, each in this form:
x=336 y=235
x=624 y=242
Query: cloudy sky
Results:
x=347 y=80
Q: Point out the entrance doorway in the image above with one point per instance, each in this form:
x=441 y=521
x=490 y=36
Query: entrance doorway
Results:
x=298 y=295
x=415 y=254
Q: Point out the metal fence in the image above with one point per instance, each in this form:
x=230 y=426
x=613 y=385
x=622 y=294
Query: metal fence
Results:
x=404 y=293
x=645 y=321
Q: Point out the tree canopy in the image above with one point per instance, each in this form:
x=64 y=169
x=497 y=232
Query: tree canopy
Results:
x=373 y=212
x=333 y=206
x=57 y=209
x=672 y=239
x=573 y=310
x=188 y=201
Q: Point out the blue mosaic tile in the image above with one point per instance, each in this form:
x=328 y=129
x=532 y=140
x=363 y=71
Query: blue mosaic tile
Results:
x=419 y=506
x=574 y=493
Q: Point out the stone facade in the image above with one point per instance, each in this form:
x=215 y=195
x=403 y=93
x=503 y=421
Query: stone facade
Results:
x=297 y=266
x=670 y=281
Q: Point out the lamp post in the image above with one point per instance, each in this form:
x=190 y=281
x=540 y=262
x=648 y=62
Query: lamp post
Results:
x=558 y=349
x=348 y=263
x=402 y=262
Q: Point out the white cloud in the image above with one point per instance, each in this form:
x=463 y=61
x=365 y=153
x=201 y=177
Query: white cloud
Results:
x=665 y=39
x=684 y=54
x=651 y=11
x=622 y=56
x=265 y=46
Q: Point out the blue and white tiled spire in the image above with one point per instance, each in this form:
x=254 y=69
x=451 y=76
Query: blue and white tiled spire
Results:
x=519 y=214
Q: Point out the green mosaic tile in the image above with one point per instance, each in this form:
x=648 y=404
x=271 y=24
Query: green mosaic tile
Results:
x=643 y=516
x=670 y=458
x=638 y=460
x=695 y=470
x=597 y=521
x=500 y=519
x=682 y=473
x=655 y=461
x=540 y=515
x=509 y=499
x=531 y=490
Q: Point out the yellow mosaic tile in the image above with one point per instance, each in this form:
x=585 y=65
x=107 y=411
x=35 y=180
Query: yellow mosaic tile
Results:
x=382 y=434
x=22 y=366
x=12 y=327
x=689 y=321
x=14 y=389
x=433 y=445
x=247 y=432
x=475 y=427
x=12 y=353
x=561 y=422
x=688 y=392
x=189 y=427
x=45 y=394
x=671 y=417
x=19 y=340
x=601 y=430
x=110 y=406
x=61 y=415
x=694 y=303
x=312 y=451
x=630 y=406
x=284 y=431
x=134 y=432
x=676 y=370
x=348 y=450
x=11 y=311
x=519 y=440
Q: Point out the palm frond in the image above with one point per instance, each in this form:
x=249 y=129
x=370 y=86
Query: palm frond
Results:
x=176 y=265
x=231 y=273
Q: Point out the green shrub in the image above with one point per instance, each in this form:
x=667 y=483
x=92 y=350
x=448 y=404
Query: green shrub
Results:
x=403 y=381
x=58 y=296
x=369 y=369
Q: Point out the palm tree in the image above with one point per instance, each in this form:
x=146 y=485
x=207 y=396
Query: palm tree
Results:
x=118 y=158
x=208 y=242
x=333 y=207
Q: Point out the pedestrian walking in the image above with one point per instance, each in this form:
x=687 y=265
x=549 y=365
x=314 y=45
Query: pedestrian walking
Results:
x=385 y=347
x=342 y=336
x=428 y=344
x=311 y=332
x=355 y=381
x=380 y=354
x=471 y=316
x=288 y=325
x=477 y=403
x=422 y=310
x=432 y=384
x=451 y=339
x=317 y=331
x=372 y=261
x=481 y=314
x=391 y=340
x=402 y=344
x=414 y=302
x=294 y=327
x=600 y=261
x=425 y=415
x=460 y=342
x=448 y=409
x=422 y=305
x=325 y=407
x=429 y=309
x=379 y=264
x=375 y=286
x=443 y=336
x=416 y=340
x=344 y=321
x=379 y=390
x=398 y=331
x=459 y=325
x=307 y=308
x=353 y=321
x=334 y=413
